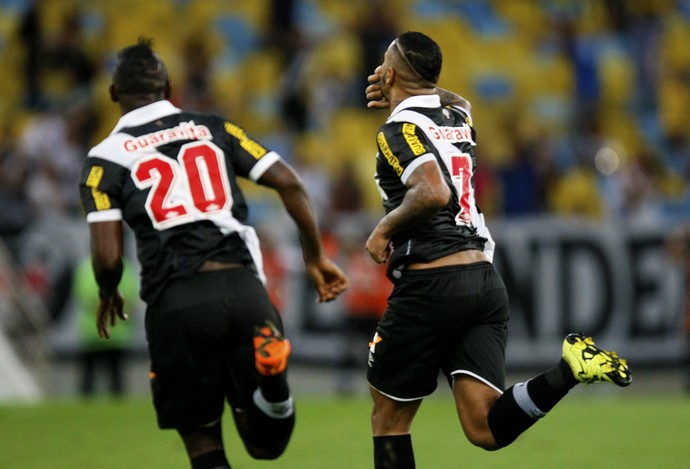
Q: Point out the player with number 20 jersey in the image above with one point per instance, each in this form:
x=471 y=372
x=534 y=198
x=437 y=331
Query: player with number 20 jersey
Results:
x=161 y=169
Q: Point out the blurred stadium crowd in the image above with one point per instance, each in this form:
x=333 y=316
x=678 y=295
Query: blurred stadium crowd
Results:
x=580 y=105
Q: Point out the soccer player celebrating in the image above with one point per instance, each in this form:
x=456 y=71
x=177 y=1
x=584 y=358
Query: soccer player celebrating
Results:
x=449 y=309
x=213 y=334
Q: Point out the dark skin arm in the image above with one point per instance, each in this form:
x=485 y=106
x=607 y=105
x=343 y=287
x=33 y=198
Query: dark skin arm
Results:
x=326 y=276
x=106 y=257
x=427 y=194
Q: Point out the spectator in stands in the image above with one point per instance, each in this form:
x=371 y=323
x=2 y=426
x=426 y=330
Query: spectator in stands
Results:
x=14 y=209
x=526 y=177
x=31 y=39
x=374 y=31
x=640 y=185
x=67 y=70
x=53 y=147
x=195 y=93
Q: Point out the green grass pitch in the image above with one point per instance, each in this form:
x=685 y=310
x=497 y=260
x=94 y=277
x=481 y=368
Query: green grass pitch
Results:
x=592 y=431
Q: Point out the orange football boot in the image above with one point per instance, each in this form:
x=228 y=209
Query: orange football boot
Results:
x=271 y=350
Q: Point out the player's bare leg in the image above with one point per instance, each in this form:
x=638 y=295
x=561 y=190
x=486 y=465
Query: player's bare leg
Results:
x=473 y=400
x=204 y=446
x=390 y=423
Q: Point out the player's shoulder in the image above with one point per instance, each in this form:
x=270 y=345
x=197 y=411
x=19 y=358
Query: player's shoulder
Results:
x=109 y=147
x=463 y=111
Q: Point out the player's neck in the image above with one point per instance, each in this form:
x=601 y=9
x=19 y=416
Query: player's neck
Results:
x=132 y=103
x=398 y=95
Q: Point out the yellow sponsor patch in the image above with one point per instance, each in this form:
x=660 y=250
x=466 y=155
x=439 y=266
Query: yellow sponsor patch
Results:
x=388 y=154
x=412 y=140
x=101 y=199
x=250 y=146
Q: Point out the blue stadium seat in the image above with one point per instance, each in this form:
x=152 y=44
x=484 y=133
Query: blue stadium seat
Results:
x=493 y=86
x=240 y=36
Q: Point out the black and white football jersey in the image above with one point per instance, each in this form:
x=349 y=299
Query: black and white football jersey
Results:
x=171 y=176
x=421 y=130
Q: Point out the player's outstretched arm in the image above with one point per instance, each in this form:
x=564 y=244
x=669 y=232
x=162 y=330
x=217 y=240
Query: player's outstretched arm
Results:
x=328 y=279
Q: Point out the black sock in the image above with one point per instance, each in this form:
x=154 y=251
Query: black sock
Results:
x=551 y=386
x=561 y=376
x=212 y=460
x=393 y=452
x=523 y=404
x=507 y=420
x=275 y=388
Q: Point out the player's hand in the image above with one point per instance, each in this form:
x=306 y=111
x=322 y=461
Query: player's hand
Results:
x=109 y=309
x=379 y=247
x=373 y=92
x=327 y=278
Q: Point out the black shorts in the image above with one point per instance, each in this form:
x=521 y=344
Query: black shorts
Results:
x=451 y=319
x=200 y=339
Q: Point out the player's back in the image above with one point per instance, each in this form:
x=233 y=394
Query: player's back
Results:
x=171 y=176
x=418 y=131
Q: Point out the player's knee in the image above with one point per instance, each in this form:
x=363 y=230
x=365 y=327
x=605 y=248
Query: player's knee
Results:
x=482 y=438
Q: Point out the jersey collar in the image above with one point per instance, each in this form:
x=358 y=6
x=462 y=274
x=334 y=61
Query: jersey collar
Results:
x=426 y=100
x=146 y=114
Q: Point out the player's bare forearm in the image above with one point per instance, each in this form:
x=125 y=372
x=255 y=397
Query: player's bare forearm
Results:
x=283 y=178
x=328 y=279
x=410 y=213
x=106 y=256
x=299 y=206
x=427 y=193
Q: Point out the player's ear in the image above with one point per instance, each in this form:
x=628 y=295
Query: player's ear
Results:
x=390 y=76
x=113 y=93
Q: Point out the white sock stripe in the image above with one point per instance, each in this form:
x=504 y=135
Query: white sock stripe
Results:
x=525 y=401
x=276 y=410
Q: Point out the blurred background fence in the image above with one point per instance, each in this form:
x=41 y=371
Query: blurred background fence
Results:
x=583 y=152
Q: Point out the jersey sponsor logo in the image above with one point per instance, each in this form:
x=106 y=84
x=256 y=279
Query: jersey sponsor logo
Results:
x=388 y=154
x=250 y=146
x=184 y=131
x=101 y=199
x=452 y=134
x=412 y=140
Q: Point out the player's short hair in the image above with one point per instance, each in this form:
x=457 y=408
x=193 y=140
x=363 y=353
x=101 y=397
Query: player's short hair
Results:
x=139 y=70
x=422 y=53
